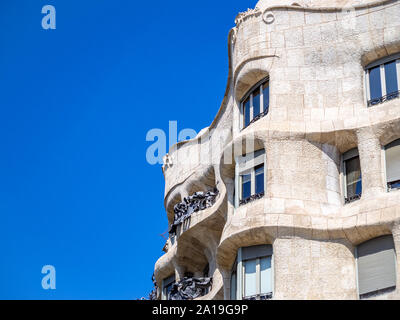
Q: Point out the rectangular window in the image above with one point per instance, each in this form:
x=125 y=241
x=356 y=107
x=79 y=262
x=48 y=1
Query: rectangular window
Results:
x=250 y=278
x=246 y=111
x=392 y=156
x=376 y=264
x=250 y=177
x=266 y=97
x=353 y=178
x=256 y=103
x=375 y=83
x=383 y=79
x=233 y=286
x=266 y=275
x=167 y=287
x=391 y=80
x=259 y=170
x=255 y=273
x=246 y=186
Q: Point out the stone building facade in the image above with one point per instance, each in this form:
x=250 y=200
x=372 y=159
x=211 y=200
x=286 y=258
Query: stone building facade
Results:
x=304 y=153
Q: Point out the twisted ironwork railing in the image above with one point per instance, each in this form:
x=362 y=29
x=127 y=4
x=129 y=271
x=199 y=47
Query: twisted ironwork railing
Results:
x=263 y=296
x=352 y=198
x=394 y=185
x=153 y=293
x=390 y=96
x=258 y=117
x=252 y=198
x=196 y=202
x=190 y=288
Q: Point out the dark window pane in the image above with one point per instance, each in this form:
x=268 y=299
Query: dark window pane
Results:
x=394 y=185
x=168 y=289
x=246 y=186
x=246 y=111
x=259 y=179
x=353 y=177
x=375 y=83
x=391 y=77
x=256 y=102
x=266 y=96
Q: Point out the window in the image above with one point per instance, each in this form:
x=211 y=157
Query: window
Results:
x=206 y=271
x=383 y=80
x=352 y=176
x=392 y=158
x=376 y=267
x=255 y=104
x=233 y=281
x=250 y=177
x=167 y=287
x=251 y=277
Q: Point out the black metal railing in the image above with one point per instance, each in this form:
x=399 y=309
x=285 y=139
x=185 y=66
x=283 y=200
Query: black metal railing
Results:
x=263 y=296
x=258 y=117
x=394 y=185
x=252 y=198
x=352 y=198
x=190 y=288
x=390 y=96
x=153 y=293
x=194 y=203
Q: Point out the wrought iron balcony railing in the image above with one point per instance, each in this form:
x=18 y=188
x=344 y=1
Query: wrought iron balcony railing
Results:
x=190 y=288
x=252 y=198
x=263 y=296
x=394 y=185
x=390 y=96
x=153 y=293
x=194 y=203
x=258 y=117
x=352 y=198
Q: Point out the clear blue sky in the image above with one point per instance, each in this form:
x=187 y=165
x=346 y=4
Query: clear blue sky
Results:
x=76 y=103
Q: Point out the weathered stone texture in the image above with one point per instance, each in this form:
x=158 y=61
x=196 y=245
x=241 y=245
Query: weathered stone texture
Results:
x=314 y=55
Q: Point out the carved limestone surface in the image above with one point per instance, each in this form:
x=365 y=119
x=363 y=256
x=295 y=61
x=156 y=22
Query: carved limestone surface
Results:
x=331 y=140
x=244 y=15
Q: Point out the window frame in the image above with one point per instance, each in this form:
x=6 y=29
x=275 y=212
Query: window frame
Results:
x=259 y=85
x=379 y=291
x=239 y=271
x=381 y=63
x=247 y=164
x=165 y=283
x=388 y=183
x=349 y=155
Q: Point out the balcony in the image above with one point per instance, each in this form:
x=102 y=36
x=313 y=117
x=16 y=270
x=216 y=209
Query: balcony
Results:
x=252 y=198
x=390 y=96
x=197 y=202
x=394 y=185
x=352 y=198
x=263 y=296
x=190 y=288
